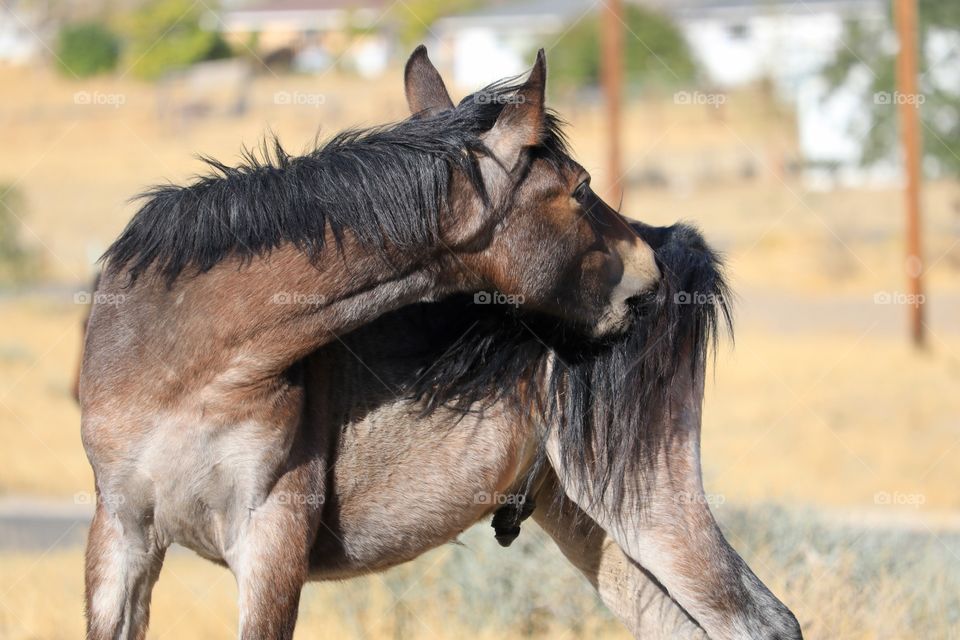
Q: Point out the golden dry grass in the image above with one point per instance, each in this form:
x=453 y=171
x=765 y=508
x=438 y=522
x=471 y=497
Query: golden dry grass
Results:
x=195 y=599
x=843 y=584
x=40 y=422
x=833 y=420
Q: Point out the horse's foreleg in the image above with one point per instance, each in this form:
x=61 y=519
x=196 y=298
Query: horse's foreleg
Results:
x=271 y=561
x=123 y=563
x=664 y=523
x=628 y=591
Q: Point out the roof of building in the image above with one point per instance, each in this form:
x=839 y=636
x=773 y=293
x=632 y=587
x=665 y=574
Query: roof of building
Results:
x=304 y=14
x=525 y=12
x=312 y=5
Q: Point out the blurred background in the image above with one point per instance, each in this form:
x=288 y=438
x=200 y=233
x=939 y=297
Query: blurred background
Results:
x=780 y=127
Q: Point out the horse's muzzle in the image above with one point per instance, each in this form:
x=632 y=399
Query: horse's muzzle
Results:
x=638 y=272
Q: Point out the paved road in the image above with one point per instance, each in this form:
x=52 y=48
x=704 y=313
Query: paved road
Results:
x=36 y=525
x=29 y=525
x=882 y=313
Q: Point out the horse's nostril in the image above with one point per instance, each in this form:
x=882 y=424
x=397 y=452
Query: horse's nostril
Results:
x=615 y=268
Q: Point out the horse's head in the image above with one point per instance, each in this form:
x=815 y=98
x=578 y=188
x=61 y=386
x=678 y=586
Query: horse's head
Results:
x=522 y=216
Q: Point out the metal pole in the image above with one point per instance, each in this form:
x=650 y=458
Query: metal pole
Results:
x=611 y=43
x=908 y=105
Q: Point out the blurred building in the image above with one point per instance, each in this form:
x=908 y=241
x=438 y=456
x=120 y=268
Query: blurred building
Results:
x=29 y=28
x=19 y=43
x=736 y=43
x=481 y=46
x=315 y=34
x=782 y=43
x=740 y=42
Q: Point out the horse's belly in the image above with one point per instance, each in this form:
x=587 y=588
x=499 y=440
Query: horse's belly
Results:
x=405 y=484
x=376 y=538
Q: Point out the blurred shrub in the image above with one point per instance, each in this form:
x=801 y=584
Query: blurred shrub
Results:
x=87 y=48
x=528 y=590
x=18 y=263
x=654 y=48
x=168 y=34
x=843 y=580
x=873 y=579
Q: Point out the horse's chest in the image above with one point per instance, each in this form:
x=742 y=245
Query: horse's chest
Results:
x=206 y=480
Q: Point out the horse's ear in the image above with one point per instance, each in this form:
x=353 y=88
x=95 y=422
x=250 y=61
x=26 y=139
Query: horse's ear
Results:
x=521 y=123
x=426 y=93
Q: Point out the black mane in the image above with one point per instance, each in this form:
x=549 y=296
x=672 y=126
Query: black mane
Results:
x=604 y=398
x=387 y=185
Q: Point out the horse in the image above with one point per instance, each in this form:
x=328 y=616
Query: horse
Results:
x=419 y=424
x=191 y=385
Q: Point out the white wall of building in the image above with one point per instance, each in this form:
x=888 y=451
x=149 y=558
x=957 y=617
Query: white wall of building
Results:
x=482 y=55
x=785 y=47
x=790 y=48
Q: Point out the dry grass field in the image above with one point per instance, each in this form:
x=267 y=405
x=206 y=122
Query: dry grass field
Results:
x=842 y=583
x=820 y=408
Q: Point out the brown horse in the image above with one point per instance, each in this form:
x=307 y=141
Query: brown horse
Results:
x=191 y=387
x=422 y=423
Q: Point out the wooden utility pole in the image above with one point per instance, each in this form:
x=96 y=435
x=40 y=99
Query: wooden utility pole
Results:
x=611 y=43
x=908 y=102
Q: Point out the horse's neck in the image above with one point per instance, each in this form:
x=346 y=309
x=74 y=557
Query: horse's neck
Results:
x=243 y=323
x=311 y=304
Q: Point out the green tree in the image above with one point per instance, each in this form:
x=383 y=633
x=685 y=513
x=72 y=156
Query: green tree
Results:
x=167 y=34
x=867 y=53
x=654 y=49
x=86 y=49
x=414 y=17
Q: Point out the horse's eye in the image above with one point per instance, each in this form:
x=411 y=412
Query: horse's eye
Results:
x=580 y=193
